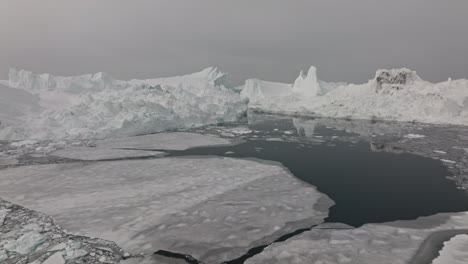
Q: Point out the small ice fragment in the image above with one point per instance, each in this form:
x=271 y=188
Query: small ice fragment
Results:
x=440 y=152
x=23 y=143
x=58 y=247
x=289 y=132
x=25 y=244
x=229 y=153
x=274 y=139
x=275 y=129
x=414 y=136
x=448 y=161
x=55 y=258
x=240 y=130
x=3 y=255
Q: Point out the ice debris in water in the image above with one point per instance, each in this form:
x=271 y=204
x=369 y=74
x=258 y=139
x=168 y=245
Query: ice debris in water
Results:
x=414 y=136
x=25 y=243
x=55 y=258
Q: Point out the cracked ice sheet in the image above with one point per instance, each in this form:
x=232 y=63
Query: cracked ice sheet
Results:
x=164 y=141
x=87 y=153
x=214 y=209
x=397 y=242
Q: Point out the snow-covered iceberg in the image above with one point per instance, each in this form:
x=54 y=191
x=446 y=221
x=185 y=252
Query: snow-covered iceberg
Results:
x=44 y=106
x=97 y=106
x=398 y=94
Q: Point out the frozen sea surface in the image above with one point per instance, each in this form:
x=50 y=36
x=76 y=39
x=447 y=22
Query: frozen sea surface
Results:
x=212 y=208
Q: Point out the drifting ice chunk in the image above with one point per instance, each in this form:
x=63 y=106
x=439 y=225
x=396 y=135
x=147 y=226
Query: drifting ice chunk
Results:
x=414 y=136
x=26 y=243
x=211 y=208
x=55 y=258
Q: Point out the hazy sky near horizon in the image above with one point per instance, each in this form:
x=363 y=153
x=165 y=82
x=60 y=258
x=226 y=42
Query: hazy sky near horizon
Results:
x=266 y=39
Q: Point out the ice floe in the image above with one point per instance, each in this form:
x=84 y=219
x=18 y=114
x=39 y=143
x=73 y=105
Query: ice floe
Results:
x=87 y=153
x=455 y=251
x=212 y=208
x=388 y=243
x=164 y=141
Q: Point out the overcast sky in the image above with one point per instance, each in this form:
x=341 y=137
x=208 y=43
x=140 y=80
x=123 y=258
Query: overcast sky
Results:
x=268 y=39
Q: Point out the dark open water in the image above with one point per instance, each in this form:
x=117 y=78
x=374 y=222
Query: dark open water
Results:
x=367 y=186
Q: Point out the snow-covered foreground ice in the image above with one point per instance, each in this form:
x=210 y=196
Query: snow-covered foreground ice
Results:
x=388 y=243
x=87 y=153
x=392 y=95
x=455 y=251
x=212 y=208
x=96 y=106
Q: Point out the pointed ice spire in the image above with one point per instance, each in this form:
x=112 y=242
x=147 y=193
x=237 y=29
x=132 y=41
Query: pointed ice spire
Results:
x=307 y=84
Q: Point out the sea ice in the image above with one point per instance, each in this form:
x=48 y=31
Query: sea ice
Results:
x=55 y=258
x=164 y=141
x=454 y=251
x=25 y=243
x=87 y=153
x=387 y=243
x=214 y=209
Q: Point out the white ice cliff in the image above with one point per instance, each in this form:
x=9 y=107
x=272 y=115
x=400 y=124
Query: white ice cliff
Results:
x=43 y=106
x=97 y=106
x=397 y=94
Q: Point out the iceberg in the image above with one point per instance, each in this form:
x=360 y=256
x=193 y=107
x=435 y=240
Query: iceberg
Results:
x=44 y=106
x=396 y=94
x=98 y=106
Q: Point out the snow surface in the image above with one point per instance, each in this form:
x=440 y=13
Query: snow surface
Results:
x=43 y=106
x=214 y=209
x=388 y=243
x=397 y=94
x=164 y=141
x=455 y=251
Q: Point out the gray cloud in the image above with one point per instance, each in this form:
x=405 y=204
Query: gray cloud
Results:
x=268 y=39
